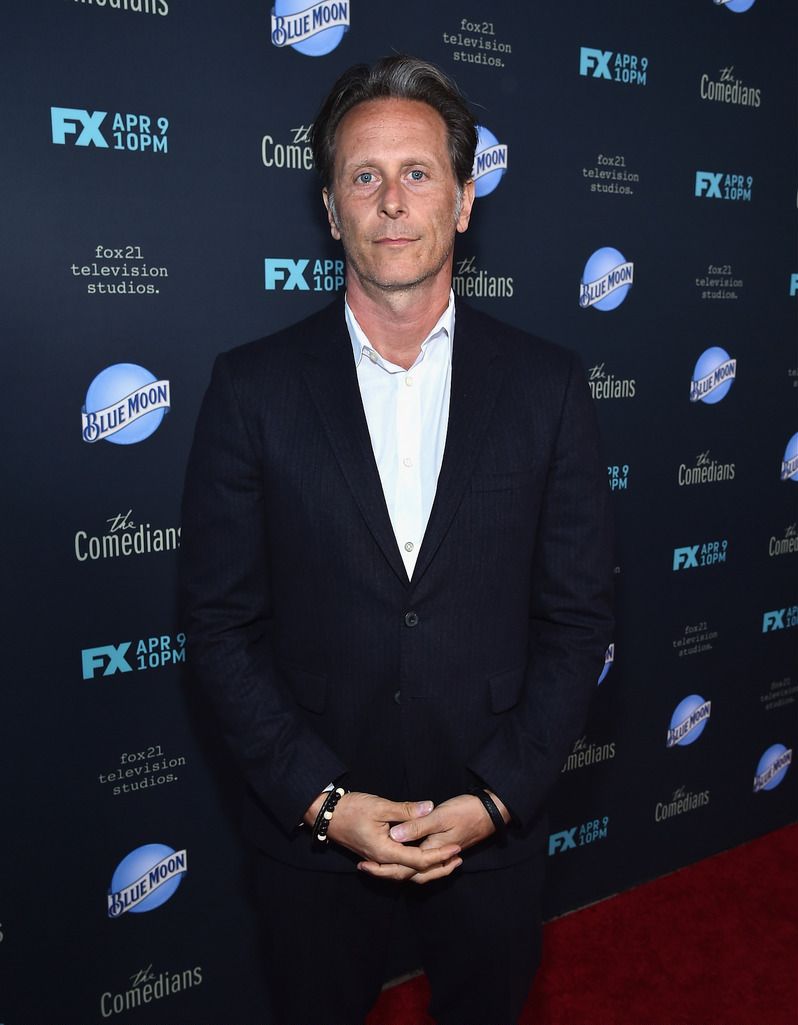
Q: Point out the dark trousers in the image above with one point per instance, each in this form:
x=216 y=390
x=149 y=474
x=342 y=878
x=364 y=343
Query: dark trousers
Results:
x=328 y=935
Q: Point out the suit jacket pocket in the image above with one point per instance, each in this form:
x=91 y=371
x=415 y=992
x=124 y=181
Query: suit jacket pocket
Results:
x=505 y=693
x=309 y=689
x=505 y=689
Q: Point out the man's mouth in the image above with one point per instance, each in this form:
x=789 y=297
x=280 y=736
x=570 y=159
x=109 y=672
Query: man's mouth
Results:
x=388 y=240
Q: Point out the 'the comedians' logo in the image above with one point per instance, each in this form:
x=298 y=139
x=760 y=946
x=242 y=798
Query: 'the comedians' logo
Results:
x=606 y=280
x=313 y=30
x=145 y=879
x=490 y=162
x=124 y=404
x=688 y=721
x=712 y=376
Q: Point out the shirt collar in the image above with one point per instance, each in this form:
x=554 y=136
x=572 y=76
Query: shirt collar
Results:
x=444 y=328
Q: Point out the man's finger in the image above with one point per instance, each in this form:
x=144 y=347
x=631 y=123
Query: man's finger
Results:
x=416 y=858
x=417 y=828
x=401 y=873
x=440 y=872
x=400 y=811
x=409 y=830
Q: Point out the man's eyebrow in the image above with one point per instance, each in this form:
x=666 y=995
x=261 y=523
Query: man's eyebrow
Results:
x=374 y=162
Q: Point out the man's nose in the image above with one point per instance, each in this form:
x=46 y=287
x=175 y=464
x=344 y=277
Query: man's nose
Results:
x=392 y=200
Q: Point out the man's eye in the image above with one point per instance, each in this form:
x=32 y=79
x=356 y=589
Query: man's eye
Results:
x=365 y=178
x=417 y=176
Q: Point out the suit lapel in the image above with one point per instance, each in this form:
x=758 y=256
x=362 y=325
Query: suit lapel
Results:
x=329 y=369
x=477 y=374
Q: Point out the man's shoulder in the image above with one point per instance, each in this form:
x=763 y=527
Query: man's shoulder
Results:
x=311 y=336
x=511 y=343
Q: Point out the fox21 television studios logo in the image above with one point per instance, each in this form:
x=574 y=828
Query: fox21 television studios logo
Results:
x=136 y=133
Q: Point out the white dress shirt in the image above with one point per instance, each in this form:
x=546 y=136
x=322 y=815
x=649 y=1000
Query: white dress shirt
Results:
x=407 y=412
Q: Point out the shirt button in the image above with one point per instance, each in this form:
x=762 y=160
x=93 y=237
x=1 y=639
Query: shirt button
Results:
x=411 y=619
x=407 y=461
x=409 y=381
x=409 y=546
x=398 y=697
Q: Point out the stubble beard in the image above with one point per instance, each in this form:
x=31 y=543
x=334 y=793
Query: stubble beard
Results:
x=369 y=280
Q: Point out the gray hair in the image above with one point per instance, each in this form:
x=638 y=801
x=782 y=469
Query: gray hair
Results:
x=404 y=78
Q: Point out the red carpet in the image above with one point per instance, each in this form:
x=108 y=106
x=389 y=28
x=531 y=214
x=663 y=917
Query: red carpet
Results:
x=712 y=944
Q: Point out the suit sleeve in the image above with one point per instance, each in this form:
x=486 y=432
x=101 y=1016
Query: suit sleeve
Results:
x=227 y=610
x=571 y=618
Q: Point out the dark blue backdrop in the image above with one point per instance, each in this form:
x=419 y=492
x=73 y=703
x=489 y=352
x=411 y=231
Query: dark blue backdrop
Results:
x=660 y=136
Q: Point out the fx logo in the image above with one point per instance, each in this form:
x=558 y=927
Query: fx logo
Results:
x=773 y=620
x=292 y=272
x=794 y=284
x=685 y=558
x=595 y=62
x=562 y=841
x=64 y=121
x=110 y=656
x=709 y=183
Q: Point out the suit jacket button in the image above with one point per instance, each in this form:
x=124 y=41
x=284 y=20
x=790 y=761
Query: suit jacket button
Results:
x=411 y=619
x=398 y=697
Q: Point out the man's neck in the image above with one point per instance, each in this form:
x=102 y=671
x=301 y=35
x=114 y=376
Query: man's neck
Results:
x=396 y=323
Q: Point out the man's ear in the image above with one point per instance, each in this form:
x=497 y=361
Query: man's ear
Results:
x=329 y=205
x=465 y=207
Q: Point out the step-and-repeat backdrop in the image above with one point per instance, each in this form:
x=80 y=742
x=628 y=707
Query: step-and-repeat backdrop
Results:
x=636 y=183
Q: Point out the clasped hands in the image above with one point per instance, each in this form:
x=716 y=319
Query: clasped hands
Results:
x=408 y=840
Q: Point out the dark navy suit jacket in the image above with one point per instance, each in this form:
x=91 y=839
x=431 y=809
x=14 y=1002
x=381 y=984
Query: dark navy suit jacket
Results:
x=321 y=657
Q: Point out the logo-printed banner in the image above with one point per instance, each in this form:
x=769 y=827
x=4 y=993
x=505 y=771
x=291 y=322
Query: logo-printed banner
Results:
x=149 y=226
x=591 y=292
x=129 y=897
x=102 y=423
x=289 y=29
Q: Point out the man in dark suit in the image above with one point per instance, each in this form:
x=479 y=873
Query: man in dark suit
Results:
x=396 y=576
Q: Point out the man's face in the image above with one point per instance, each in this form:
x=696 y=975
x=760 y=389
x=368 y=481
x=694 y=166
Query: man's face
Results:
x=395 y=203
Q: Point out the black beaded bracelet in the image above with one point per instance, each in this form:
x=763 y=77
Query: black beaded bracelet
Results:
x=491 y=808
x=322 y=823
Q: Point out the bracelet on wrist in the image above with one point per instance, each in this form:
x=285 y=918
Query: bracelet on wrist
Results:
x=322 y=823
x=493 y=811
